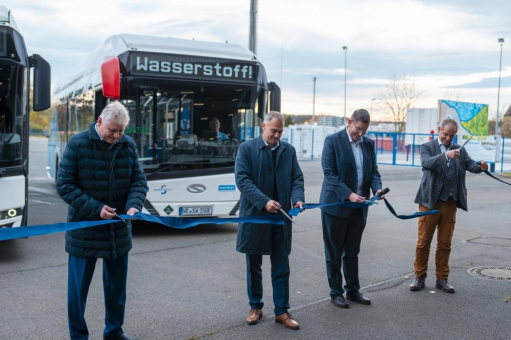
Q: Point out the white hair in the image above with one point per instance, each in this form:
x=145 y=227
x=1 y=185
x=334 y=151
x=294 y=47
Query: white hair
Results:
x=116 y=111
x=273 y=114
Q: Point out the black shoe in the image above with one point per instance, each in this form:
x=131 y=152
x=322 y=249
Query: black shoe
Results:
x=120 y=337
x=445 y=286
x=358 y=298
x=340 y=301
x=418 y=283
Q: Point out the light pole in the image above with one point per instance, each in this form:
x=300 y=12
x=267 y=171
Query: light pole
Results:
x=313 y=114
x=501 y=42
x=345 y=49
x=372 y=100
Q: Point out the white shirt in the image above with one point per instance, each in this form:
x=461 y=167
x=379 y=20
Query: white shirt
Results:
x=274 y=147
x=444 y=150
x=356 y=147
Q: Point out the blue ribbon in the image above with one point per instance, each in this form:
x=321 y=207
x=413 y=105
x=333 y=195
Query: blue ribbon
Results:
x=498 y=179
x=368 y=203
x=174 y=222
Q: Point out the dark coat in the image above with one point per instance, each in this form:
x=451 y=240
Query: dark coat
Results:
x=255 y=173
x=434 y=167
x=340 y=172
x=91 y=175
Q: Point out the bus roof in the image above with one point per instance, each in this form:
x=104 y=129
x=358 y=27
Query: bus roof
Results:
x=89 y=74
x=7 y=19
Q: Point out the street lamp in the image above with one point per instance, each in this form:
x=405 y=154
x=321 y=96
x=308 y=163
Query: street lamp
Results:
x=372 y=100
x=345 y=49
x=501 y=42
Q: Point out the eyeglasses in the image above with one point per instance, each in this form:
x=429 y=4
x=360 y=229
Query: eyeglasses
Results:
x=360 y=130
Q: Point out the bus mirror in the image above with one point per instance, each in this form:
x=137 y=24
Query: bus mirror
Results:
x=110 y=73
x=274 y=97
x=42 y=83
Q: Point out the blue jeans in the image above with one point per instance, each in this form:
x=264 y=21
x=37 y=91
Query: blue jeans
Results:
x=80 y=272
x=279 y=274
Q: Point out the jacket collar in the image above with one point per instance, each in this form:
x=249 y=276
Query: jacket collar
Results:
x=260 y=143
x=94 y=135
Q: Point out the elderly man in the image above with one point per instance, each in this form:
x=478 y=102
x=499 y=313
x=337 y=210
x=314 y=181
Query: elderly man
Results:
x=444 y=165
x=100 y=177
x=350 y=170
x=269 y=178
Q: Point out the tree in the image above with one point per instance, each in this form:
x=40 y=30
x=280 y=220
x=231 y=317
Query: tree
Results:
x=288 y=121
x=396 y=97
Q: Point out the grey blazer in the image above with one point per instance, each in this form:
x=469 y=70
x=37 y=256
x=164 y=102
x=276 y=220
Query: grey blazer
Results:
x=434 y=167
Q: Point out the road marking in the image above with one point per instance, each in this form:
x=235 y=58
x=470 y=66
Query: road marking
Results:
x=41 y=191
x=43 y=202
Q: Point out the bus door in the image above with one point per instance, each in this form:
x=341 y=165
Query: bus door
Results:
x=146 y=132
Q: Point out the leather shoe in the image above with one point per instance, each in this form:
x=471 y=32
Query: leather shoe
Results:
x=120 y=337
x=340 y=301
x=287 y=320
x=445 y=286
x=358 y=298
x=254 y=316
x=418 y=283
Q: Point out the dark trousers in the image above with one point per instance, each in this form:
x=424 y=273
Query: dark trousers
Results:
x=342 y=238
x=279 y=274
x=80 y=272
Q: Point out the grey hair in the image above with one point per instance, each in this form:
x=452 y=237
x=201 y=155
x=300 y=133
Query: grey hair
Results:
x=449 y=121
x=273 y=114
x=117 y=112
x=361 y=115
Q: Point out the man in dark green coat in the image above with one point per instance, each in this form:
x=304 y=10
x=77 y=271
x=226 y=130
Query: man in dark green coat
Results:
x=268 y=177
x=100 y=177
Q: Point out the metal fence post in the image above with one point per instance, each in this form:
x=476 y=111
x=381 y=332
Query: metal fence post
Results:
x=502 y=155
x=413 y=150
x=312 y=147
x=394 y=147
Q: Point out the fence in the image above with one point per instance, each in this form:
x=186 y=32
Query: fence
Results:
x=401 y=149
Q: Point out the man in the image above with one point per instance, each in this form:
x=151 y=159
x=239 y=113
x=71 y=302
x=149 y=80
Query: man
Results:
x=444 y=165
x=268 y=177
x=350 y=170
x=214 y=125
x=100 y=177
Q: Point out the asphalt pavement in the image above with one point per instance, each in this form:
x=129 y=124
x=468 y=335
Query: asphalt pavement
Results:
x=190 y=284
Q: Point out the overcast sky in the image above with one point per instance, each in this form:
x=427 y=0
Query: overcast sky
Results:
x=449 y=47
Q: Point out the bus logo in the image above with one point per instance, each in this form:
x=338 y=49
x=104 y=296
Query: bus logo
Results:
x=196 y=188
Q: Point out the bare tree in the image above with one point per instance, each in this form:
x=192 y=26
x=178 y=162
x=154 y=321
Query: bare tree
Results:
x=396 y=97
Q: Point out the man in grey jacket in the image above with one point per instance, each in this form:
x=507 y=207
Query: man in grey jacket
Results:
x=444 y=165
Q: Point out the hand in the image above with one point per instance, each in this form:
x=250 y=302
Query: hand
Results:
x=298 y=205
x=132 y=211
x=452 y=154
x=107 y=213
x=272 y=206
x=378 y=193
x=483 y=165
x=356 y=198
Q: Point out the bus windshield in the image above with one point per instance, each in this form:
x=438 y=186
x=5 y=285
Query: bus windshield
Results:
x=12 y=103
x=183 y=125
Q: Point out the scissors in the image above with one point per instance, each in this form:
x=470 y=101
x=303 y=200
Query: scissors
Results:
x=286 y=215
x=119 y=217
x=466 y=142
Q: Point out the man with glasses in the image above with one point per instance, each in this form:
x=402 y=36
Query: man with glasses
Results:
x=349 y=167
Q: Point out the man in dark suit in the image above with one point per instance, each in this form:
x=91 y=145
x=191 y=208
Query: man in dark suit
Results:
x=268 y=177
x=444 y=165
x=350 y=170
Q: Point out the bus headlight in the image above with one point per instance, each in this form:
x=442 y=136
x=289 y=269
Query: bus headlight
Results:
x=11 y=213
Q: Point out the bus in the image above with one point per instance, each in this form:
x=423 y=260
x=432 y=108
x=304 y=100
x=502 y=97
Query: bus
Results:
x=15 y=89
x=191 y=104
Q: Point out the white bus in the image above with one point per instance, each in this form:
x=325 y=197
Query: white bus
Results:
x=15 y=67
x=191 y=104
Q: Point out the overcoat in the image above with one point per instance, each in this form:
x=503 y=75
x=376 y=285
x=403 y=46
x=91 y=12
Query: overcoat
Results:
x=255 y=173
x=93 y=173
x=434 y=168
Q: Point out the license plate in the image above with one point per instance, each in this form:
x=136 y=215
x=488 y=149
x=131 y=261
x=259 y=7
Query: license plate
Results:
x=196 y=211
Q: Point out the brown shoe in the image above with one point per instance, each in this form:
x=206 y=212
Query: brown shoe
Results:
x=418 y=283
x=444 y=285
x=254 y=316
x=287 y=320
